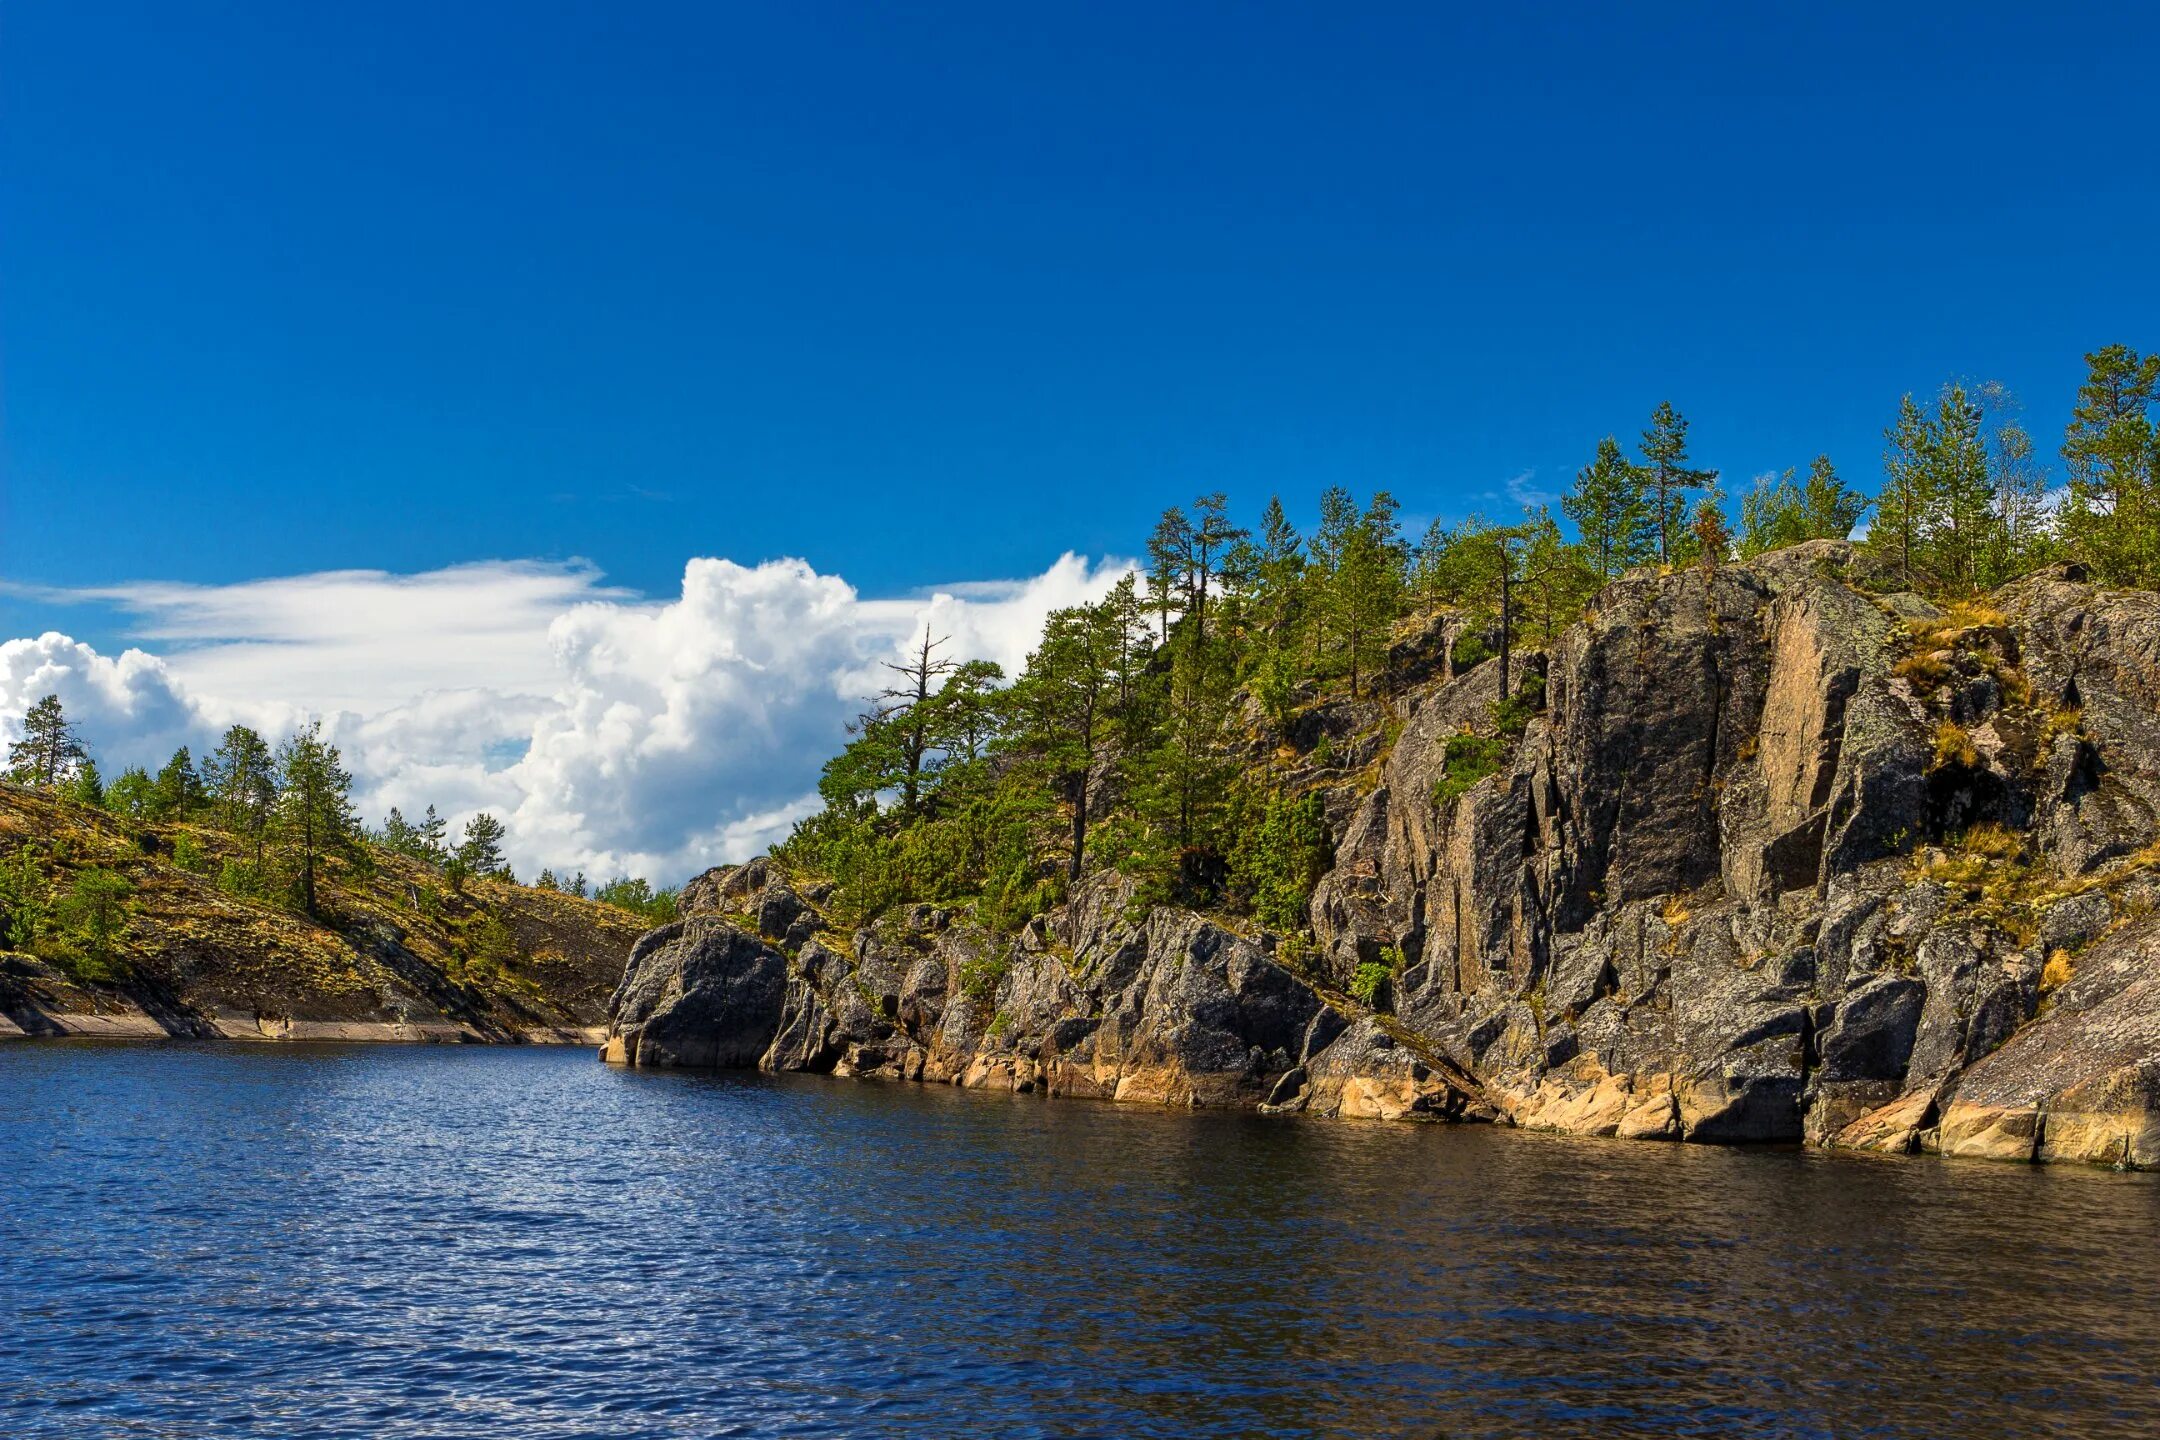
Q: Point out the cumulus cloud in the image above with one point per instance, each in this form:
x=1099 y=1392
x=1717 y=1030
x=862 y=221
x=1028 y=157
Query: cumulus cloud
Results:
x=613 y=733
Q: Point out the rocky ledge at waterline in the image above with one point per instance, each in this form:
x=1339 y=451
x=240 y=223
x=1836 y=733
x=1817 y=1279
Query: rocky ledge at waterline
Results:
x=1783 y=860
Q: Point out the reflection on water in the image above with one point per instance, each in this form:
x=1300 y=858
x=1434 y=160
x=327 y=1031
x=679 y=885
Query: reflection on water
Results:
x=287 y=1242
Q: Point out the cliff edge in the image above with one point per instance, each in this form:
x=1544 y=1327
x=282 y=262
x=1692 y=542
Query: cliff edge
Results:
x=1782 y=858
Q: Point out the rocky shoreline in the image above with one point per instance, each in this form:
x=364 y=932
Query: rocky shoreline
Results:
x=133 y=1024
x=1783 y=859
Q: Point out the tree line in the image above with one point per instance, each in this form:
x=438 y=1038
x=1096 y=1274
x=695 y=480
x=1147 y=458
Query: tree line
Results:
x=290 y=809
x=1131 y=737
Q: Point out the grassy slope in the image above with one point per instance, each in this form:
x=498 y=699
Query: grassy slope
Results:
x=378 y=952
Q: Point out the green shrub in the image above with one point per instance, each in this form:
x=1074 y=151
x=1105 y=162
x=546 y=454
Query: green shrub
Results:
x=25 y=900
x=1275 y=686
x=95 y=914
x=483 y=948
x=981 y=976
x=1470 y=758
x=1015 y=898
x=1371 y=978
x=188 y=854
x=1470 y=649
x=1512 y=715
x=244 y=879
x=1278 y=852
x=637 y=895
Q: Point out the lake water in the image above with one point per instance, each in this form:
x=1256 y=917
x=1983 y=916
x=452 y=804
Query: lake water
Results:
x=387 y=1241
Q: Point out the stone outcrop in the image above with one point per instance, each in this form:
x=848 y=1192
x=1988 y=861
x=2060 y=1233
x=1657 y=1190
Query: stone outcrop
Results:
x=1783 y=858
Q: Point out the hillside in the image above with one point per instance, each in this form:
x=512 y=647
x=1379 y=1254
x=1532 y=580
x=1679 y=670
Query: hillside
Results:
x=1774 y=853
x=396 y=953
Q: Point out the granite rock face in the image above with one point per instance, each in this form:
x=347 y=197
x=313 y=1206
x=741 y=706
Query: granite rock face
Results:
x=1781 y=859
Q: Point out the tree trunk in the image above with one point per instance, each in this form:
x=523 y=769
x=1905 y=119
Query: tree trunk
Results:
x=1507 y=616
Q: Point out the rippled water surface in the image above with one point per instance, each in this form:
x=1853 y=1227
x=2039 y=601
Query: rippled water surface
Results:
x=387 y=1241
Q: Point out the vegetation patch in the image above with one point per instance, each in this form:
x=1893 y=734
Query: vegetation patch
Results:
x=1469 y=758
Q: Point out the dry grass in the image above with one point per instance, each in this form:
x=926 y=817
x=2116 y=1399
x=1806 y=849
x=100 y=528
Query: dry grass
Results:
x=1954 y=747
x=2057 y=972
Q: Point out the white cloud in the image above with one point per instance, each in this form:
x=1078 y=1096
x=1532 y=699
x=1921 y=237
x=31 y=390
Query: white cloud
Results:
x=613 y=733
x=328 y=641
x=1523 y=489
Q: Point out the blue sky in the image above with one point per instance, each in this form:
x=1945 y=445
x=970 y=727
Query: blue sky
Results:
x=923 y=296
x=934 y=294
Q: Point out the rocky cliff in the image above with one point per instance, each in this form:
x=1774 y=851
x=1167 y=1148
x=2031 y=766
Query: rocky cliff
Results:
x=1783 y=858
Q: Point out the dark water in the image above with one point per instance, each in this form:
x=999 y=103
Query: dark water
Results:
x=390 y=1241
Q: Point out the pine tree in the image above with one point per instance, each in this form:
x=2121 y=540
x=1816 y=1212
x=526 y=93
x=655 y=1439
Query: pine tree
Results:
x=313 y=817
x=1829 y=509
x=904 y=718
x=1064 y=719
x=1964 y=496
x=1558 y=579
x=1210 y=537
x=399 y=836
x=2111 y=517
x=1612 y=516
x=1781 y=510
x=1907 y=501
x=481 y=850
x=133 y=795
x=1278 y=569
x=1363 y=591
x=1182 y=784
x=1169 y=558
x=1667 y=476
x=89 y=786
x=964 y=714
x=178 y=790
x=49 y=750
x=241 y=781
x=432 y=834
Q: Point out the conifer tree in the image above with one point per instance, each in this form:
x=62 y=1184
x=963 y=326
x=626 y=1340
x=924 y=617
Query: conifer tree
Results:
x=481 y=850
x=964 y=713
x=1964 y=509
x=1782 y=510
x=1364 y=586
x=88 y=786
x=1907 y=501
x=398 y=835
x=133 y=794
x=1169 y=555
x=1278 y=567
x=1558 y=579
x=1829 y=509
x=1182 y=785
x=241 y=782
x=1612 y=516
x=313 y=817
x=1668 y=477
x=904 y=712
x=49 y=750
x=1064 y=714
x=1210 y=537
x=2111 y=517
x=177 y=790
x=432 y=836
